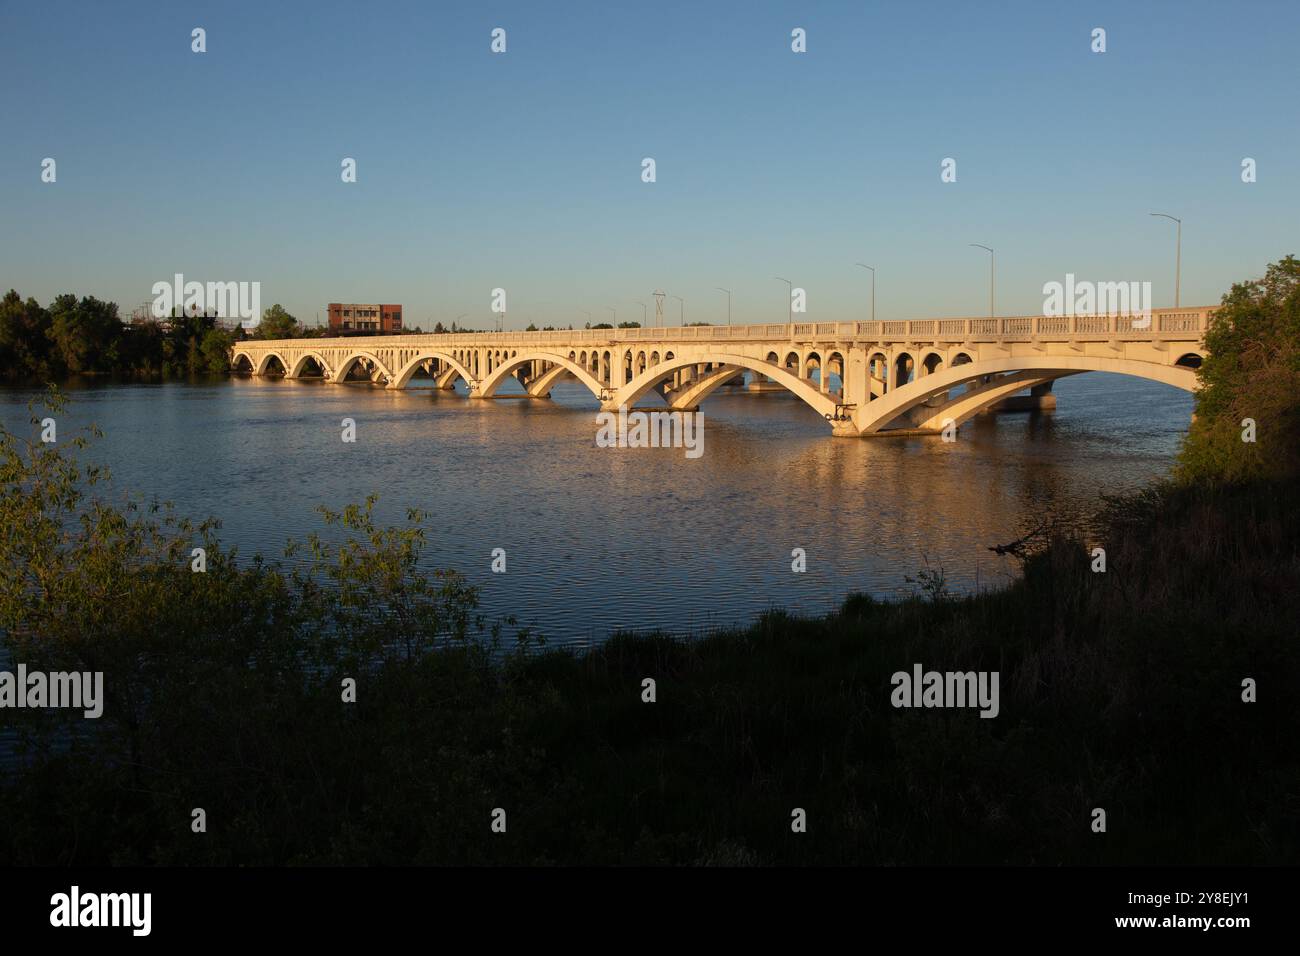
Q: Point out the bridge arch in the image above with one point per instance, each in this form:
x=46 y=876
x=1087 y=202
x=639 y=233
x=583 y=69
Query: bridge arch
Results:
x=874 y=417
x=341 y=374
x=262 y=364
x=903 y=372
x=302 y=360
x=980 y=395
x=547 y=379
x=690 y=395
x=239 y=355
x=423 y=355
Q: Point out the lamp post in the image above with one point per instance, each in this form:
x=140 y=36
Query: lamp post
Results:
x=872 y=270
x=615 y=311
x=1178 y=255
x=728 y=291
x=789 y=302
x=645 y=314
x=681 y=315
x=587 y=314
x=992 y=257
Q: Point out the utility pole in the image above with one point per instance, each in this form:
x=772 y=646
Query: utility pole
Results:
x=991 y=258
x=728 y=291
x=789 y=302
x=873 y=289
x=1178 y=256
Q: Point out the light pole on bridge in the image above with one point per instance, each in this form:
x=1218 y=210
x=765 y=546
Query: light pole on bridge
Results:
x=645 y=313
x=789 y=302
x=992 y=257
x=681 y=316
x=872 y=270
x=615 y=311
x=1178 y=254
x=728 y=291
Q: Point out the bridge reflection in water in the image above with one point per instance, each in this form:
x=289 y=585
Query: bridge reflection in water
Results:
x=894 y=378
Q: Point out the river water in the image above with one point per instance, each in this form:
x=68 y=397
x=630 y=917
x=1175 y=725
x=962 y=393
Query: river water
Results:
x=598 y=539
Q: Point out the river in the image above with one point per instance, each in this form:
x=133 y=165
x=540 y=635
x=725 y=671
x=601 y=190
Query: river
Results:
x=603 y=538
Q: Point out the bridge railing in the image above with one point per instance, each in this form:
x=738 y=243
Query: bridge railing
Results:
x=1189 y=322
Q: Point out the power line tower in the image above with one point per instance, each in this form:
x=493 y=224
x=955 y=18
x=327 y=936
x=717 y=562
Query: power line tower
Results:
x=659 y=308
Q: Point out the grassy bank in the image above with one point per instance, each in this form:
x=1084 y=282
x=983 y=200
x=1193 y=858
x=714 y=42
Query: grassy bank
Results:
x=1120 y=690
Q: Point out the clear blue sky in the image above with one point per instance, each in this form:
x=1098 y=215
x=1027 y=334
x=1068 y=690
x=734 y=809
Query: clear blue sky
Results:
x=522 y=170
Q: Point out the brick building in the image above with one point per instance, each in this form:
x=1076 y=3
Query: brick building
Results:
x=353 y=317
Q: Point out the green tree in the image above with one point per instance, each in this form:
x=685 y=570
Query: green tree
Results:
x=84 y=334
x=216 y=351
x=1252 y=372
x=277 y=324
x=24 y=344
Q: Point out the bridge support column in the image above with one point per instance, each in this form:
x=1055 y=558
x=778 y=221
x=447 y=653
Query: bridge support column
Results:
x=1039 y=399
x=854 y=388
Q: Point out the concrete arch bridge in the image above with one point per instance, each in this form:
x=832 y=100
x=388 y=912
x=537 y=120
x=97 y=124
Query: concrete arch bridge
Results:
x=863 y=378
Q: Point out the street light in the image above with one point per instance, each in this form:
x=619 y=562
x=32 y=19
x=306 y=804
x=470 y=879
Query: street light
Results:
x=789 y=310
x=991 y=259
x=872 y=270
x=728 y=291
x=587 y=314
x=681 y=315
x=645 y=315
x=615 y=311
x=1178 y=260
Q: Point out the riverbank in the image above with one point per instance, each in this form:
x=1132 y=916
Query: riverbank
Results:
x=1120 y=690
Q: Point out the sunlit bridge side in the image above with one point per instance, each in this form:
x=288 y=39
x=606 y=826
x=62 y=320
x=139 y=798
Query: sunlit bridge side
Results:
x=863 y=378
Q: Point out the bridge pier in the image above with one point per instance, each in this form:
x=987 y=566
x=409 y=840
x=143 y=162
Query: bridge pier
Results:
x=1039 y=399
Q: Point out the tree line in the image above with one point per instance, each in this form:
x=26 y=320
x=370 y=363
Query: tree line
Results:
x=87 y=336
